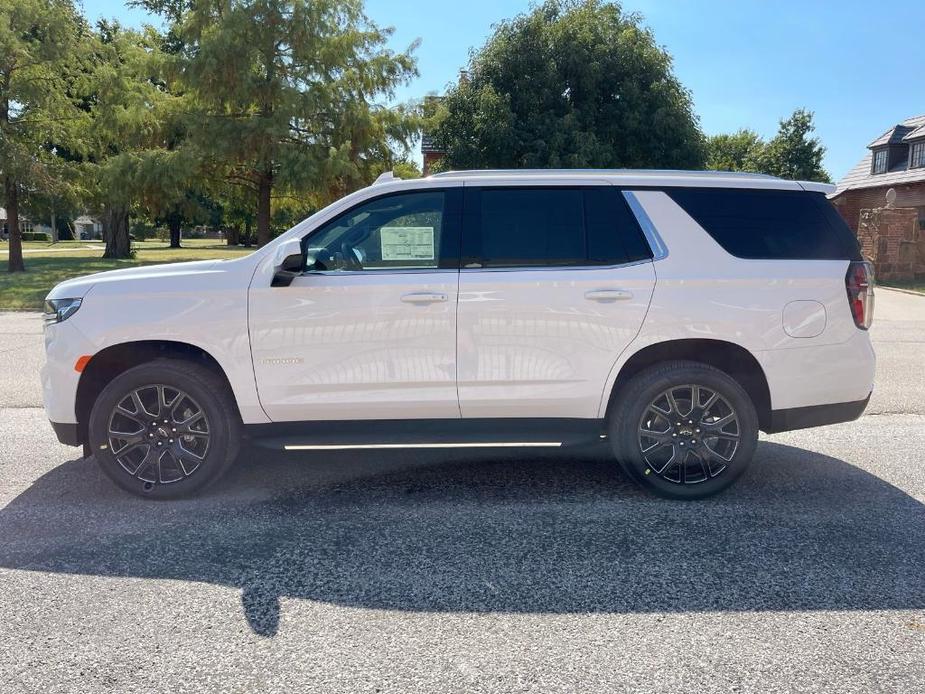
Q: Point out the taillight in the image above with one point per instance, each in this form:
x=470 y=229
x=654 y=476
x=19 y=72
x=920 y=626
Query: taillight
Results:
x=859 y=281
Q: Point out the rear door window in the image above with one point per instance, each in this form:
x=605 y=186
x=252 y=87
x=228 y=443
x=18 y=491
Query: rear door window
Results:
x=549 y=227
x=770 y=224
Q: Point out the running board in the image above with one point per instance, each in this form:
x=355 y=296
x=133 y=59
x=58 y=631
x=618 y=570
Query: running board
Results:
x=433 y=434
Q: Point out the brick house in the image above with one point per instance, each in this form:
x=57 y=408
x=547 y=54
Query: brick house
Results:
x=430 y=153
x=883 y=201
x=894 y=160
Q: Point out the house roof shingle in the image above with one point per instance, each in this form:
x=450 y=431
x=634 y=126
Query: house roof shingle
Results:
x=893 y=136
x=915 y=134
x=861 y=177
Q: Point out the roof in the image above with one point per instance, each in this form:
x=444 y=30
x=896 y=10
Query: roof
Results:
x=644 y=177
x=861 y=177
x=84 y=219
x=915 y=134
x=893 y=136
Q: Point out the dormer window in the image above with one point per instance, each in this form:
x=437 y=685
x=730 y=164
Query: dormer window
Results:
x=880 y=161
x=917 y=155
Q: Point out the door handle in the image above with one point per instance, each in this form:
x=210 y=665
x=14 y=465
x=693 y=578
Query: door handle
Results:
x=608 y=295
x=423 y=297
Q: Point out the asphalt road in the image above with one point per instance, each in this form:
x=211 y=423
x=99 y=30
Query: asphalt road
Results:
x=446 y=572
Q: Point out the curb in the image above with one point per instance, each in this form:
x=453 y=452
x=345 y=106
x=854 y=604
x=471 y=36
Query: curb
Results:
x=900 y=290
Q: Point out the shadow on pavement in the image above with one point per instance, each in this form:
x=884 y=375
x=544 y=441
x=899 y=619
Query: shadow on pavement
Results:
x=510 y=533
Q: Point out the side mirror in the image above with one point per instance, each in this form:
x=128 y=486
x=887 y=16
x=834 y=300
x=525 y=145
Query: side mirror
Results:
x=289 y=263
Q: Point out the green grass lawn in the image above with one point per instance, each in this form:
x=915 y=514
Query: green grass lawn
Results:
x=48 y=264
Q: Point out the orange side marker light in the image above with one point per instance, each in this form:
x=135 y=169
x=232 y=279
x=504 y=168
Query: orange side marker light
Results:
x=82 y=363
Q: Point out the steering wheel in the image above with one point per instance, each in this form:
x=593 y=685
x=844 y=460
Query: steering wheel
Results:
x=350 y=257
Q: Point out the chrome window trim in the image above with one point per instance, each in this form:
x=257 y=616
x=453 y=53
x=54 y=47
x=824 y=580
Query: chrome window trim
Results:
x=554 y=268
x=514 y=268
x=379 y=271
x=656 y=244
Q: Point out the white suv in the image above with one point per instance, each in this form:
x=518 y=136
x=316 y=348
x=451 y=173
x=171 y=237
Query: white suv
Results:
x=674 y=314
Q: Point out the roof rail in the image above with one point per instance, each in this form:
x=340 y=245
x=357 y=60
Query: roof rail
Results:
x=633 y=172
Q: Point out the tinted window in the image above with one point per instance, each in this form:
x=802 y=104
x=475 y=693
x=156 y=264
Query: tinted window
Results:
x=394 y=232
x=614 y=235
x=524 y=227
x=770 y=224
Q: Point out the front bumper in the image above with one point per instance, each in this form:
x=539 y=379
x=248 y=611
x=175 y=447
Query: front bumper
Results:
x=64 y=343
x=815 y=415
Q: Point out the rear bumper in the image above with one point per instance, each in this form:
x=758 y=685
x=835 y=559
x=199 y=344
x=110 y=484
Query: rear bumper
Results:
x=815 y=415
x=68 y=434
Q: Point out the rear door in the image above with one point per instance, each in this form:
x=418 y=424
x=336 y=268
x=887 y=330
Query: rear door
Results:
x=554 y=284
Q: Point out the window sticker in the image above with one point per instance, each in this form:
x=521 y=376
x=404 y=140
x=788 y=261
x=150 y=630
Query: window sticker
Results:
x=407 y=243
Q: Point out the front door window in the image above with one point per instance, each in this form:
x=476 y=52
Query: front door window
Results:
x=394 y=232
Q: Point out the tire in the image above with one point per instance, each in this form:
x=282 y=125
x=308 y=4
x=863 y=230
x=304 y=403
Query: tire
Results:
x=698 y=454
x=183 y=439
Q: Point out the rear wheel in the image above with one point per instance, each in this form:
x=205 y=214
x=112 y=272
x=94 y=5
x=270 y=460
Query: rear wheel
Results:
x=165 y=429
x=683 y=430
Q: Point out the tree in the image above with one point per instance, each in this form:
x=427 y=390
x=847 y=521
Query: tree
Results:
x=573 y=83
x=740 y=151
x=38 y=42
x=139 y=161
x=284 y=93
x=793 y=153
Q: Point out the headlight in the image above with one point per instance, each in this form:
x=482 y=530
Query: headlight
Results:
x=57 y=310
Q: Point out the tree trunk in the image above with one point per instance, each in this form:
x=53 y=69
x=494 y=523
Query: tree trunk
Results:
x=15 y=263
x=54 y=227
x=247 y=234
x=173 y=223
x=115 y=231
x=264 y=189
x=233 y=235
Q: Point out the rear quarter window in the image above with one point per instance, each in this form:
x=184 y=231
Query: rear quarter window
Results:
x=770 y=224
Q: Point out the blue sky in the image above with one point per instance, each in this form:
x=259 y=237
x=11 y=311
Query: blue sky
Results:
x=859 y=65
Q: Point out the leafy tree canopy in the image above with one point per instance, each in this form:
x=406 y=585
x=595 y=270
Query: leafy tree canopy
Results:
x=740 y=151
x=283 y=93
x=40 y=44
x=792 y=153
x=573 y=83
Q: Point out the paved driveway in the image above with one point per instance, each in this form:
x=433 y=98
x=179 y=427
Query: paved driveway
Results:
x=508 y=572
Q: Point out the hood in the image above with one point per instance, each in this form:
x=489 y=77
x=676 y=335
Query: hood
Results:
x=79 y=286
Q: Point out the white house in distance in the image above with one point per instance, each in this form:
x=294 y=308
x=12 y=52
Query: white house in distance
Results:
x=25 y=225
x=86 y=227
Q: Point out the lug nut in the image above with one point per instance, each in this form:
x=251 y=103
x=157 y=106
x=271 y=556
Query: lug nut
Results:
x=675 y=435
x=171 y=440
x=150 y=436
x=682 y=443
x=160 y=443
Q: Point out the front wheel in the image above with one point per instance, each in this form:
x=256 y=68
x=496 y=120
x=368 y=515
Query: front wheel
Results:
x=683 y=430
x=165 y=429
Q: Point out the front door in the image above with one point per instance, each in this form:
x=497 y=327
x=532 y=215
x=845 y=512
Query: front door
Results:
x=368 y=331
x=555 y=283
